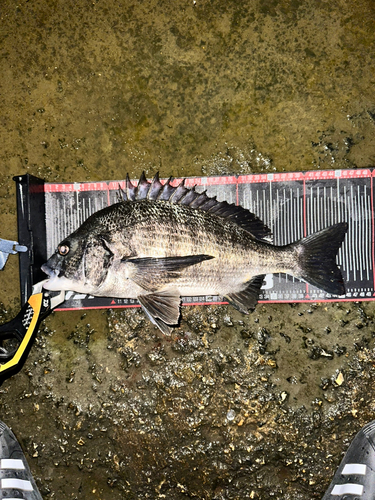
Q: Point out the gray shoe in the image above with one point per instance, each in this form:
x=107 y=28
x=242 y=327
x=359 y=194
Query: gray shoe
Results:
x=355 y=477
x=16 y=480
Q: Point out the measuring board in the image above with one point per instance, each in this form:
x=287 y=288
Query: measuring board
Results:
x=292 y=205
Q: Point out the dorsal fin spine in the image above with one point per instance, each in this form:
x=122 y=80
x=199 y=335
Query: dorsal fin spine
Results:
x=130 y=189
x=179 y=192
x=155 y=188
x=166 y=190
x=143 y=188
x=121 y=195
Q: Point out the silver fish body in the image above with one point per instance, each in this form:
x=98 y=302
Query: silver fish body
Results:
x=156 y=250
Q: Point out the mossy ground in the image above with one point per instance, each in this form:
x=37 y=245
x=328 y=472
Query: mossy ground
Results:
x=230 y=406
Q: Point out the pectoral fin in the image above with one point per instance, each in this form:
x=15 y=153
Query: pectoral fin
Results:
x=247 y=298
x=162 y=308
x=151 y=272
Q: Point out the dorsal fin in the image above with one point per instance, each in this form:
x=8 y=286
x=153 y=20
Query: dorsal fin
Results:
x=182 y=195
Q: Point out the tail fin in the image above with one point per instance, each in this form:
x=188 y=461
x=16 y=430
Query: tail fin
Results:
x=318 y=258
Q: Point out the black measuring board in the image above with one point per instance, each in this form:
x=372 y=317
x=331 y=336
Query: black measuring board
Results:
x=292 y=205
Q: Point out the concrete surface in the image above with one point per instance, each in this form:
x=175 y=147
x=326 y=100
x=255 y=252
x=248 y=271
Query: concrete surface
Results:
x=229 y=407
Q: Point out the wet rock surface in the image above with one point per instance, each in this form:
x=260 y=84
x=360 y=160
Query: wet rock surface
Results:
x=230 y=406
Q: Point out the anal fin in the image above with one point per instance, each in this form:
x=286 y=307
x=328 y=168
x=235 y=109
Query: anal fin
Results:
x=162 y=308
x=247 y=299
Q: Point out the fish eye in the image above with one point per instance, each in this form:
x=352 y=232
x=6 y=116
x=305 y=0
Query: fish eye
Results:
x=63 y=249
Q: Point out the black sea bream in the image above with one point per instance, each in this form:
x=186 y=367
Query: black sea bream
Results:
x=164 y=242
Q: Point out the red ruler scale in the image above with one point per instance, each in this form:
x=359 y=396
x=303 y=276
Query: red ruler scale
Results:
x=292 y=205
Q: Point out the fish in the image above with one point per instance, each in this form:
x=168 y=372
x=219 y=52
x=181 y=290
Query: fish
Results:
x=161 y=242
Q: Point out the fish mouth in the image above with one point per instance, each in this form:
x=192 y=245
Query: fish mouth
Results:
x=53 y=275
x=57 y=282
x=48 y=271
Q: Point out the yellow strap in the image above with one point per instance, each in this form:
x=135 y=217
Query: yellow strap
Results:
x=35 y=302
